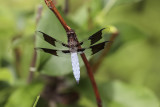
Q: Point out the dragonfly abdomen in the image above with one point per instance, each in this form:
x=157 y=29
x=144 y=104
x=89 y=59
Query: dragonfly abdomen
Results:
x=75 y=66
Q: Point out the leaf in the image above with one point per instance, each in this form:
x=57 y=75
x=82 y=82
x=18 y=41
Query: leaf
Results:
x=5 y=92
x=117 y=94
x=7 y=20
x=129 y=32
x=136 y=62
x=5 y=75
x=125 y=95
x=24 y=96
x=144 y=15
x=80 y=17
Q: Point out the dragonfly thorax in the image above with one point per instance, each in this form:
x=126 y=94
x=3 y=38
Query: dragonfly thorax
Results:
x=72 y=41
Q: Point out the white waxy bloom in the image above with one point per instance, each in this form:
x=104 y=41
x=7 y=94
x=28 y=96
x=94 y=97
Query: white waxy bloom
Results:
x=75 y=66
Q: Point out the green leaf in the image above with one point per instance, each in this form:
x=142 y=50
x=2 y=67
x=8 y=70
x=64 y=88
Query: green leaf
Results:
x=5 y=75
x=129 y=32
x=7 y=20
x=144 y=15
x=24 y=96
x=120 y=94
x=5 y=92
x=117 y=94
x=135 y=62
x=80 y=17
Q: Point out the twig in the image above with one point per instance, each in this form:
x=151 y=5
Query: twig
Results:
x=34 y=57
x=89 y=70
x=104 y=53
x=39 y=14
x=91 y=77
x=50 y=4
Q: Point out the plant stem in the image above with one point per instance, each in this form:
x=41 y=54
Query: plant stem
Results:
x=34 y=57
x=18 y=56
x=91 y=77
x=50 y=4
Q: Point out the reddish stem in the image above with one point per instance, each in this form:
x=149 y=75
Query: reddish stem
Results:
x=50 y=4
x=91 y=77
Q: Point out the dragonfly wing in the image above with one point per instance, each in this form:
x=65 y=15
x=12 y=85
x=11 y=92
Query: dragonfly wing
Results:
x=93 y=49
x=75 y=66
x=54 y=52
x=94 y=38
x=52 y=40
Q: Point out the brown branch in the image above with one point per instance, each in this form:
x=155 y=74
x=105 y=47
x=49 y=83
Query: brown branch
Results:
x=104 y=53
x=89 y=70
x=50 y=4
x=91 y=77
x=34 y=57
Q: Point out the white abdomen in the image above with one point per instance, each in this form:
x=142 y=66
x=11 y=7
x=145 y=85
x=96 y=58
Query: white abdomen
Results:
x=75 y=66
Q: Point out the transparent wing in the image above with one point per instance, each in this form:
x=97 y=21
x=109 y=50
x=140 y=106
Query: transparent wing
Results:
x=93 y=49
x=52 y=40
x=93 y=39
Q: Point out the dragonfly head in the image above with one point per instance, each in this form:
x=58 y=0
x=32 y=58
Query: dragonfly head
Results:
x=71 y=33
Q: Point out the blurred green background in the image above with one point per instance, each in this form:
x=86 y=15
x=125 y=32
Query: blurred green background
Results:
x=129 y=75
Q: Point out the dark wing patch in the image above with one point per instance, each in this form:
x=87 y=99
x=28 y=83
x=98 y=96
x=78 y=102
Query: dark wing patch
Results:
x=52 y=40
x=98 y=47
x=66 y=51
x=53 y=51
x=94 y=38
x=95 y=48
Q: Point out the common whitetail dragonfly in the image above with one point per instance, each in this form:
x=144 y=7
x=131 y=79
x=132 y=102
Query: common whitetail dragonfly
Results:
x=74 y=47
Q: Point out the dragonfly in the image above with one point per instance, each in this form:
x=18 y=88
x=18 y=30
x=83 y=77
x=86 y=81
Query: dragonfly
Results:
x=74 y=47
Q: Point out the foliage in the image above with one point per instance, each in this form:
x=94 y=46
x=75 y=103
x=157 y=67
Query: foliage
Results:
x=127 y=77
